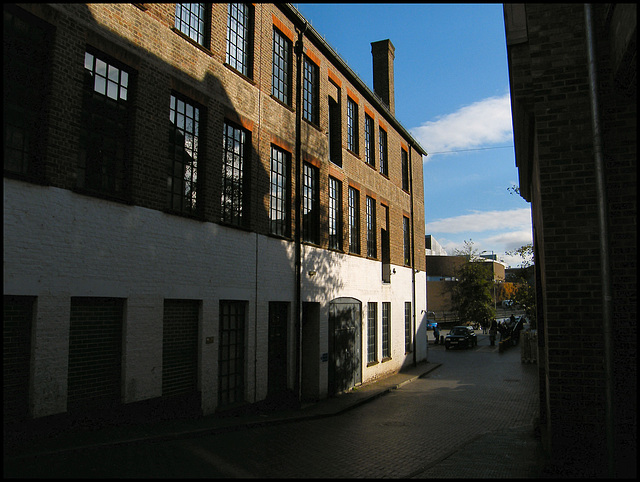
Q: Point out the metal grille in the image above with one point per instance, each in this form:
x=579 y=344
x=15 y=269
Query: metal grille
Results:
x=95 y=352
x=180 y=347
x=231 y=353
x=16 y=356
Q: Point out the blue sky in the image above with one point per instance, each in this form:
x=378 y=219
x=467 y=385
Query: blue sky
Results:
x=452 y=94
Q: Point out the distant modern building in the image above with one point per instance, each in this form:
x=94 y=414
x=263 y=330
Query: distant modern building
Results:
x=441 y=273
x=433 y=248
x=572 y=70
x=204 y=207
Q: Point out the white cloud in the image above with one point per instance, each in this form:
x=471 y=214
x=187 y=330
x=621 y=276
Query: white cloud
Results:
x=519 y=219
x=482 y=123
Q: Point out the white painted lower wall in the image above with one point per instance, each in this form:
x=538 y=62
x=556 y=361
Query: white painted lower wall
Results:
x=59 y=244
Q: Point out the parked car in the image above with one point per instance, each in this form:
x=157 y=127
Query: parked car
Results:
x=461 y=336
x=431 y=324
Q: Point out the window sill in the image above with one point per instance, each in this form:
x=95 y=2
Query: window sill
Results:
x=386 y=359
x=237 y=72
x=373 y=363
x=124 y=199
x=283 y=104
x=193 y=42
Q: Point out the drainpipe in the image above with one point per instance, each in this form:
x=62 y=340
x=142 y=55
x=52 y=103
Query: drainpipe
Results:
x=299 y=49
x=605 y=269
x=413 y=259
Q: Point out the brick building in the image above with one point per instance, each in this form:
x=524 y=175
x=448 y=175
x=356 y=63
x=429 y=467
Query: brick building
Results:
x=572 y=71
x=204 y=207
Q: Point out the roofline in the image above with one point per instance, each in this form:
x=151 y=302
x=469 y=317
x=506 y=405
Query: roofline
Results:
x=294 y=15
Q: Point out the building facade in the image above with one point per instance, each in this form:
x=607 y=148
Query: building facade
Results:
x=203 y=207
x=572 y=71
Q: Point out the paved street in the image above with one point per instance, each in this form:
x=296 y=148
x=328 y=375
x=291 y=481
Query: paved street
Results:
x=470 y=417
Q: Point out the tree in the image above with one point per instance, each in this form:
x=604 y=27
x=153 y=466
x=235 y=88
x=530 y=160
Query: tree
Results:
x=471 y=294
x=523 y=279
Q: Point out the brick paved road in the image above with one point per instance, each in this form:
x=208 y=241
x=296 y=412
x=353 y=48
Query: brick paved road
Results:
x=442 y=425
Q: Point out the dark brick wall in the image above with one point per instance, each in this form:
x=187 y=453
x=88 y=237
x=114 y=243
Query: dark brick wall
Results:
x=550 y=89
x=145 y=40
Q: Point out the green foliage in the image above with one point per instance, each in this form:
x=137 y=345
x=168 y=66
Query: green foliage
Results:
x=471 y=294
x=524 y=281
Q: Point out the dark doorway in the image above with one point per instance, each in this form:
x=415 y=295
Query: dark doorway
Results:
x=278 y=317
x=345 y=344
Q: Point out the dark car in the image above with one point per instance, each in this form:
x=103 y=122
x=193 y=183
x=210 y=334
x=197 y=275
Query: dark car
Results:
x=460 y=336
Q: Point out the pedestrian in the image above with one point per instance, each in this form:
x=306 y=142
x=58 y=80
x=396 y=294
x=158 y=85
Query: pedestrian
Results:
x=493 y=330
x=436 y=334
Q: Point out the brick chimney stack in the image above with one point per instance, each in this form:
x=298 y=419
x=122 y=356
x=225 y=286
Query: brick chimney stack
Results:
x=383 y=55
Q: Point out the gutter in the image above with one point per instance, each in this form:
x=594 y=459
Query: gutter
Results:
x=605 y=267
x=299 y=49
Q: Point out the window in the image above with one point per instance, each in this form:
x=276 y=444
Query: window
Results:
x=310 y=204
x=184 y=139
x=372 y=332
x=310 y=92
x=352 y=125
x=192 y=20
x=103 y=165
x=26 y=67
x=335 y=132
x=371 y=227
x=279 y=206
x=235 y=143
x=407 y=327
x=406 y=229
x=354 y=220
x=231 y=353
x=239 y=39
x=386 y=330
x=385 y=247
x=281 y=80
x=405 y=170
x=335 y=214
x=384 y=167
x=369 y=151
